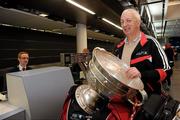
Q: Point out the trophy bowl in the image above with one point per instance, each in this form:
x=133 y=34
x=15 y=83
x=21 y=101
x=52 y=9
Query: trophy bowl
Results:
x=106 y=74
x=106 y=77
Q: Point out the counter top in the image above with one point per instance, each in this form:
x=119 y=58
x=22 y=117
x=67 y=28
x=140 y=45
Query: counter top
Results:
x=7 y=110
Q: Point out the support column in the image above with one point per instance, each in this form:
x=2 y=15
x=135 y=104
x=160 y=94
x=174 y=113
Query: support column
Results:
x=81 y=37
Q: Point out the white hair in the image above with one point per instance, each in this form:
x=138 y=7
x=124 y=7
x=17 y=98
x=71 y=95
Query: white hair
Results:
x=134 y=12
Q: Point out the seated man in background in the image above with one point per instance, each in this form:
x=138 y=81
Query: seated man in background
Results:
x=23 y=58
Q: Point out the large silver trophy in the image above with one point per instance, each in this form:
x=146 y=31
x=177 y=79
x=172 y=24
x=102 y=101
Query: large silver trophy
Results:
x=106 y=76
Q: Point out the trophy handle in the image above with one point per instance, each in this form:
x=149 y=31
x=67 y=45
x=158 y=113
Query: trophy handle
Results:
x=144 y=98
x=87 y=98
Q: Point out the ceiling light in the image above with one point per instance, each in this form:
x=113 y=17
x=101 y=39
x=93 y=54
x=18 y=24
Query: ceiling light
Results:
x=90 y=38
x=81 y=7
x=33 y=29
x=59 y=33
x=43 y=15
x=96 y=30
x=6 y=24
x=104 y=19
x=129 y=3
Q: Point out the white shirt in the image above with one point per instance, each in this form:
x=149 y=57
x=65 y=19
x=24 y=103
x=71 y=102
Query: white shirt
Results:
x=21 y=68
x=129 y=48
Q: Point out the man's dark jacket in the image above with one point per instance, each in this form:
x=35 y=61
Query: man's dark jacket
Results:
x=150 y=59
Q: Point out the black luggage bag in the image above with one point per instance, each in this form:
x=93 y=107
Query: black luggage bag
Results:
x=158 y=107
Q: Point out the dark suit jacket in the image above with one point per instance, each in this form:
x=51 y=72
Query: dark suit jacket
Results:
x=3 y=86
x=16 y=69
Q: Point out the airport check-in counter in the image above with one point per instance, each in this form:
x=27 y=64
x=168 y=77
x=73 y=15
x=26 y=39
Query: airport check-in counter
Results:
x=40 y=92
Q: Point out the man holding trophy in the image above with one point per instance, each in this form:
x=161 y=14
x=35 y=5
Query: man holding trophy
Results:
x=119 y=84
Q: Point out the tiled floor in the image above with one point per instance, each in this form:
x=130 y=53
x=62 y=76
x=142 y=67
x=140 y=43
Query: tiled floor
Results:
x=175 y=87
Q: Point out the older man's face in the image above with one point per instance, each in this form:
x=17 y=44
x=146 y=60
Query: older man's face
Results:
x=23 y=60
x=129 y=23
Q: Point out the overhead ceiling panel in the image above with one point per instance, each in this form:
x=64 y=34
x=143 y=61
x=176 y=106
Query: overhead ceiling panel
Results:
x=24 y=19
x=60 y=9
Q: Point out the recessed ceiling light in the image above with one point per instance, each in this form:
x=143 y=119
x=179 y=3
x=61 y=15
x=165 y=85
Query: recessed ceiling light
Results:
x=80 y=6
x=43 y=15
x=96 y=30
x=104 y=19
